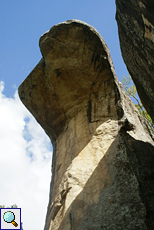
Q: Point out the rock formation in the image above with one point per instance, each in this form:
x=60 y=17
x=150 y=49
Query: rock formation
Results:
x=135 y=19
x=103 y=156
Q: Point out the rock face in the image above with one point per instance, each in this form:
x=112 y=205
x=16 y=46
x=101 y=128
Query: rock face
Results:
x=103 y=156
x=135 y=19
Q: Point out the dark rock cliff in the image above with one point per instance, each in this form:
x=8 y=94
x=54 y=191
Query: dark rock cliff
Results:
x=135 y=19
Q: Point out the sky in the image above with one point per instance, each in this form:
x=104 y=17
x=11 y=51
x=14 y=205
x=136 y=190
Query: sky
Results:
x=25 y=150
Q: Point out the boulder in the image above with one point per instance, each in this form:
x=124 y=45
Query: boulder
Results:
x=103 y=155
x=135 y=21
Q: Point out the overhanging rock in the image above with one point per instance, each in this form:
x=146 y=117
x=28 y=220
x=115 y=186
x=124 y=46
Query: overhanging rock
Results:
x=103 y=156
x=135 y=19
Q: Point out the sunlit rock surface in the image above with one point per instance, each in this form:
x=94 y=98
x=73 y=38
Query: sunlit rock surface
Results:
x=103 y=156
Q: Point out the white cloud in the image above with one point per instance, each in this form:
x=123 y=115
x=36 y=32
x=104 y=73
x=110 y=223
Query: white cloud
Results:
x=25 y=162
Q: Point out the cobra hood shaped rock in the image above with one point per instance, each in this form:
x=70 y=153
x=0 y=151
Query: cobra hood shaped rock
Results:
x=75 y=59
x=101 y=149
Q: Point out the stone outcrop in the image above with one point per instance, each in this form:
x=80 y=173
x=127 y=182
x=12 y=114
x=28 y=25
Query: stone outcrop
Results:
x=103 y=156
x=135 y=19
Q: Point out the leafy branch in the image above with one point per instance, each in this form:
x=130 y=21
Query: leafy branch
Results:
x=131 y=91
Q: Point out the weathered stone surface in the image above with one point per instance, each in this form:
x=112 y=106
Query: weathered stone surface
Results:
x=135 y=19
x=103 y=156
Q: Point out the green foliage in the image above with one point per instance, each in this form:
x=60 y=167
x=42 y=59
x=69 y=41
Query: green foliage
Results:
x=131 y=91
x=12 y=206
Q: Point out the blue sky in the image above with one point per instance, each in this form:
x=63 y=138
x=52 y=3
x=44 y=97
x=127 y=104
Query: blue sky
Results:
x=26 y=181
x=23 y=22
